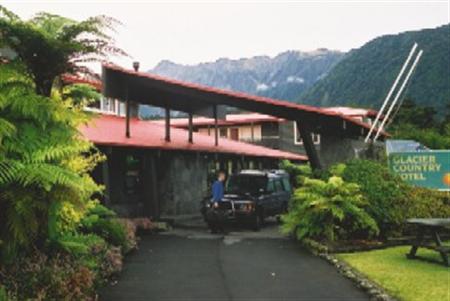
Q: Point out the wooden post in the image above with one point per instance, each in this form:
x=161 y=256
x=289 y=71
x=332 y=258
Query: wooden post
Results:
x=155 y=194
x=191 y=129
x=106 y=176
x=127 y=115
x=253 y=131
x=216 y=127
x=167 y=125
x=310 y=148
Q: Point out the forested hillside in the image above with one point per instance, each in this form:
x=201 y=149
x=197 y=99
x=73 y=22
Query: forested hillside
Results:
x=364 y=76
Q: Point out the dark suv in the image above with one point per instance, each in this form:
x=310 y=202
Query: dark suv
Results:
x=250 y=196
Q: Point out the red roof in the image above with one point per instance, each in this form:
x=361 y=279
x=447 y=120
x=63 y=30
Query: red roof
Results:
x=73 y=79
x=110 y=130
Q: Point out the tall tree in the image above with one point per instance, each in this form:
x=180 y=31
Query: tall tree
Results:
x=37 y=170
x=49 y=45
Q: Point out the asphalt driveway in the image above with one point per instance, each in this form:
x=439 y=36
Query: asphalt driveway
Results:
x=194 y=265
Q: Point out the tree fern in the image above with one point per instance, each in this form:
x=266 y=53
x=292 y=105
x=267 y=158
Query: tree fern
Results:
x=49 y=45
x=43 y=160
x=326 y=210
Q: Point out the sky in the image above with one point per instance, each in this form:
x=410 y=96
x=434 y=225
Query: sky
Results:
x=190 y=32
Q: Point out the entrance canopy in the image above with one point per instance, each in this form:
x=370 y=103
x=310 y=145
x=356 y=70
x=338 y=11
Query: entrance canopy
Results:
x=144 y=88
x=200 y=100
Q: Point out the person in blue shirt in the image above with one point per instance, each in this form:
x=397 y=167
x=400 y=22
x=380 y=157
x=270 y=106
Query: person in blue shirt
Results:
x=217 y=189
x=217 y=196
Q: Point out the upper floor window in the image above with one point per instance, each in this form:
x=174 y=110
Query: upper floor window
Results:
x=223 y=132
x=298 y=139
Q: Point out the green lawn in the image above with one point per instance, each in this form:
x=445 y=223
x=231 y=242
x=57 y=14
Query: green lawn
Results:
x=408 y=280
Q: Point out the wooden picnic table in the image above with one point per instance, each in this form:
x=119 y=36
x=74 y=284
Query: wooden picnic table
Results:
x=431 y=226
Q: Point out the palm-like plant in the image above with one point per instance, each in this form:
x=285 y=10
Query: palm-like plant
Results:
x=50 y=45
x=43 y=159
x=322 y=210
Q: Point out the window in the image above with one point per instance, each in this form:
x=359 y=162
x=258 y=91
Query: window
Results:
x=298 y=139
x=223 y=132
x=245 y=184
x=286 y=184
x=133 y=183
x=270 y=186
x=234 y=134
x=121 y=109
x=278 y=186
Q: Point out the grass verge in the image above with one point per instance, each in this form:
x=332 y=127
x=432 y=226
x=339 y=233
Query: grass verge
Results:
x=405 y=279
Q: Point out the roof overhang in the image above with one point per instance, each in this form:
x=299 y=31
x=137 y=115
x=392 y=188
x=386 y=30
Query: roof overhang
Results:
x=145 y=88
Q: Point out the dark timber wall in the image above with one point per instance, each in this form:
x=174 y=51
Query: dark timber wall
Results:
x=157 y=183
x=287 y=139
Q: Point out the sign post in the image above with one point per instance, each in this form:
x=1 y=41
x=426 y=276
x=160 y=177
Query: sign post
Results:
x=429 y=169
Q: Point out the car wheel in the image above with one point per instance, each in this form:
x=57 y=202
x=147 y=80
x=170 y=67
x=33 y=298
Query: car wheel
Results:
x=257 y=222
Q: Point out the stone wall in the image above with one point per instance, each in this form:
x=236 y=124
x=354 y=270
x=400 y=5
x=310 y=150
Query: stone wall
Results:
x=171 y=182
x=335 y=149
x=182 y=183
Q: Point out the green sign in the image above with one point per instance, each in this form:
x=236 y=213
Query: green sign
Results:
x=428 y=169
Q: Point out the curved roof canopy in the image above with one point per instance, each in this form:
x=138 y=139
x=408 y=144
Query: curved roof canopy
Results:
x=145 y=88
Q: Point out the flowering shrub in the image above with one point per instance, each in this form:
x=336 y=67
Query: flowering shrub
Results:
x=40 y=277
x=143 y=223
x=112 y=262
x=68 y=218
x=130 y=233
x=83 y=256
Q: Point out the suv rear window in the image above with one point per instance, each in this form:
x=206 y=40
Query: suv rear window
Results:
x=286 y=184
x=278 y=185
x=246 y=184
x=270 y=186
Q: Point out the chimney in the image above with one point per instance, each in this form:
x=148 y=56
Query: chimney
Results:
x=136 y=66
x=134 y=107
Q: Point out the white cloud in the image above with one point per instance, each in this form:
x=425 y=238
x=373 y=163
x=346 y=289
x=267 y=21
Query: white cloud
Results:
x=295 y=79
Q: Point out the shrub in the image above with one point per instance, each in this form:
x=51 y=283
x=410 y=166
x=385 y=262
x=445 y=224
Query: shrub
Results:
x=297 y=172
x=79 y=245
x=95 y=253
x=39 y=277
x=112 y=231
x=69 y=218
x=328 y=210
x=95 y=212
x=101 y=221
x=391 y=200
x=383 y=190
x=112 y=262
x=3 y=294
x=425 y=203
x=95 y=208
x=130 y=227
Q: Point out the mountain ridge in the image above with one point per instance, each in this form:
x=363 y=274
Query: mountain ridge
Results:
x=364 y=76
x=360 y=77
x=281 y=76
